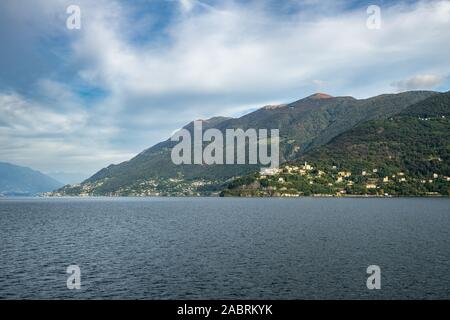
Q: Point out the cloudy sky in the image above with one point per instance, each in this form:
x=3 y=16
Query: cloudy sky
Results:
x=75 y=101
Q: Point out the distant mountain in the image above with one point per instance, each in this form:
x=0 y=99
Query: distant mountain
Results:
x=68 y=177
x=406 y=154
x=23 y=181
x=304 y=125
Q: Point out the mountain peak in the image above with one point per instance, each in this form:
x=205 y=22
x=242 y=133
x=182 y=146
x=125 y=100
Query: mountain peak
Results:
x=319 y=95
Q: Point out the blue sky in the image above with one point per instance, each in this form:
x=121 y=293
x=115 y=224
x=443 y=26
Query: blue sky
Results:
x=78 y=100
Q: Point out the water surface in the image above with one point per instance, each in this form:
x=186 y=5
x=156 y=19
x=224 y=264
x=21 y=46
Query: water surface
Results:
x=225 y=248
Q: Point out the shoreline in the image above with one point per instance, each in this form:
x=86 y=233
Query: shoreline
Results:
x=235 y=197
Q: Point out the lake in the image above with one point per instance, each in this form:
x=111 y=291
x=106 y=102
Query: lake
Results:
x=225 y=248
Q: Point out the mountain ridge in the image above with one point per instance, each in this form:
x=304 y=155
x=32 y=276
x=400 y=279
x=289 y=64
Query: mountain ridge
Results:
x=407 y=154
x=304 y=124
x=20 y=180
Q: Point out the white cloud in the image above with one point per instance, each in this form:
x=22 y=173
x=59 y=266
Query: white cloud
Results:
x=426 y=81
x=187 y=5
x=319 y=83
x=49 y=139
x=242 y=49
x=26 y=118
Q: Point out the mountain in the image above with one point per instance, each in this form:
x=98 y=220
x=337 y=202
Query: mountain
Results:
x=16 y=180
x=416 y=141
x=303 y=124
x=68 y=177
x=406 y=154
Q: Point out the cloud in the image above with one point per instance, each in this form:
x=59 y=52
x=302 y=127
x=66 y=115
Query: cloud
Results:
x=24 y=118
x=50 y=139
x=187 y=5
x=319 y=83
x=243 y=50
x=426 y=81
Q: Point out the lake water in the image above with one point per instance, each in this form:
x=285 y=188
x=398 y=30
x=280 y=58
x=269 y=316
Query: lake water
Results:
x=222 y=248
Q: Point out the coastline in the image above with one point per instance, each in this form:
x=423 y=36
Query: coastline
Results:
x=254 y=197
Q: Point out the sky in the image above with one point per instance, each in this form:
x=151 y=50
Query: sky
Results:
x=73 y=101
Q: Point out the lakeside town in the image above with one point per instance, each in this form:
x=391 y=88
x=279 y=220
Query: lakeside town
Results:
x=287 y=181
x=308 y=180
